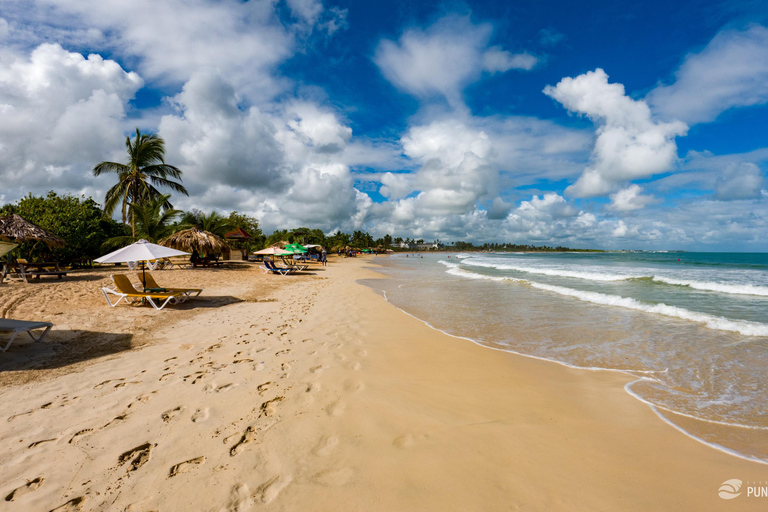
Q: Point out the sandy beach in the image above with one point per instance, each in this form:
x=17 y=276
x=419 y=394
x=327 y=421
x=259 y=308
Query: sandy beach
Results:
x=311 y=392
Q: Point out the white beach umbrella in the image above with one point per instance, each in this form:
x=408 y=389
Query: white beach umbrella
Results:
x=139 y=251
x=274 y=251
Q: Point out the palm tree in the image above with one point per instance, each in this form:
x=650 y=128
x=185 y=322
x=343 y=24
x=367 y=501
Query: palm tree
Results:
x=153 y=222
x=213 y=222
x=136 y=180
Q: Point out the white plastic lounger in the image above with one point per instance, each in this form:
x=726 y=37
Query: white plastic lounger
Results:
x=19 y=326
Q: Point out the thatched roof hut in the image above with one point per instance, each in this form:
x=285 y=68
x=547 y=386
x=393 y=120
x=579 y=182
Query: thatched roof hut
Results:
x=15 y=227
x=194 y=239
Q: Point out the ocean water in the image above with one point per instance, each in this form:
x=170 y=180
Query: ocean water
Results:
x=692 y=327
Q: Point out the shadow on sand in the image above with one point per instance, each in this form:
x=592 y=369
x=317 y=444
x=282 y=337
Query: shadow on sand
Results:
x=61 y=348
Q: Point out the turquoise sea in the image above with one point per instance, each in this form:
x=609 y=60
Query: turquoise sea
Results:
x=692 y=327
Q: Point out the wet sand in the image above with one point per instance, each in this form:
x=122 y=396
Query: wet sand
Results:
x=310 y=392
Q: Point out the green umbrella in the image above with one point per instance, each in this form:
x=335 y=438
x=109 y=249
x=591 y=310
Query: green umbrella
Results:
x=296 y=248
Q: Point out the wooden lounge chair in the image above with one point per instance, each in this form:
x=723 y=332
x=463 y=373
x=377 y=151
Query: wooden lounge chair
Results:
x=19 y=326
x=125 y=290
x=151 y=285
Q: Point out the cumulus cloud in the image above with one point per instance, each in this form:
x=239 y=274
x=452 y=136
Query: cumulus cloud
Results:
x=244 y=40
x=630 y=198
x=630 y=143
x=444 y=58
x=731 y=72
x=289 y=166
x=743 y=181
x=61 y=112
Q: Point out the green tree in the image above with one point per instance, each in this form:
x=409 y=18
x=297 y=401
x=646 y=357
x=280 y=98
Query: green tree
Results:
x=251 y=226
x=137 y=180
x=77 y=220
x=213 y=222
x=153 y=222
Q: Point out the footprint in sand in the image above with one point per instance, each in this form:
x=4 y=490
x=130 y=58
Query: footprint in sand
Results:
x=38 y=443
x=79 y=435
x=270 y=489
x=102 y=384
x=138 y=456
x=336 y=408
x=73 y=505
x=268 y=407
x=333 y=476
x=200 y=415
x=187 y=465
x=194 y=377
x=240 y=499
x=165 y=376
x=316 y=369
x=116 y=419
x=356 y=366
x=282 y=352
x=213 y=388
x=25 y=489
x=326 y=446
x=248 y=437
x=312 y=387
x=171 y=413
x=353 y=386
x=263 y=388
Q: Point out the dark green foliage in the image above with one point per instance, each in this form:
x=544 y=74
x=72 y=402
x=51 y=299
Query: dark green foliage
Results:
x=153 y=223
x=79 y=221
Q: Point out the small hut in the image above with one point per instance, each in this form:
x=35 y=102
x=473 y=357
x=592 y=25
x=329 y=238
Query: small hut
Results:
x=196 y=240
x=17 y=228
x=238 y=239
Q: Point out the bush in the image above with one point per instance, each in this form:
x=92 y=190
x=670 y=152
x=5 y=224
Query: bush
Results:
x=77 y=220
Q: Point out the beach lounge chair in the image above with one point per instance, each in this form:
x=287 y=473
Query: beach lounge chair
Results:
x=16 y=327
x=269 y=267
x=125 y=290
x=150 y=285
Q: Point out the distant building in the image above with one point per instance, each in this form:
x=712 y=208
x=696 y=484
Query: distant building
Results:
x=434 y=246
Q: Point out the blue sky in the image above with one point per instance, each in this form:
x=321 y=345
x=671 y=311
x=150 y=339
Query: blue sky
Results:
x=590 y=124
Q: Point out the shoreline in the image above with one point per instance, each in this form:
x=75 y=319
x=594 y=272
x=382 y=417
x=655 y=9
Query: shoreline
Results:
x=330 y=395
x=627 y=388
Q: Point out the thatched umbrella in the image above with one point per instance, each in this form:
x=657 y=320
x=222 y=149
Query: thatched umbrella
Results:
x=194 y=239
x=20 y=229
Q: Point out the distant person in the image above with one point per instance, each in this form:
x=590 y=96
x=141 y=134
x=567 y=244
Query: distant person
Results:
x=324 y=258
x=195 y=258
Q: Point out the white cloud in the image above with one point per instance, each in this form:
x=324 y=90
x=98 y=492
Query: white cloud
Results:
x=497 y=60
x=444 y=58
x=743 y=181
x=62 y=112
x=242 y=40
x=629 y=199
x=731 y=72
x=630 y=143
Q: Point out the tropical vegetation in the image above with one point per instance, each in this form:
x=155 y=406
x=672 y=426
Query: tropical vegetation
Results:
x=137 y=180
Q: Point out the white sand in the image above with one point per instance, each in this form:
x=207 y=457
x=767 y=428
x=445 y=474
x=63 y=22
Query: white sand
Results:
x=325 y=399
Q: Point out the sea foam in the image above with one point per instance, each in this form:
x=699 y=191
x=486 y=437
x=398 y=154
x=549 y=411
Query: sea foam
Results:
x=712 y=322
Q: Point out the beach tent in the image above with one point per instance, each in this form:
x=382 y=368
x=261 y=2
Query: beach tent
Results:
x=140 y=251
